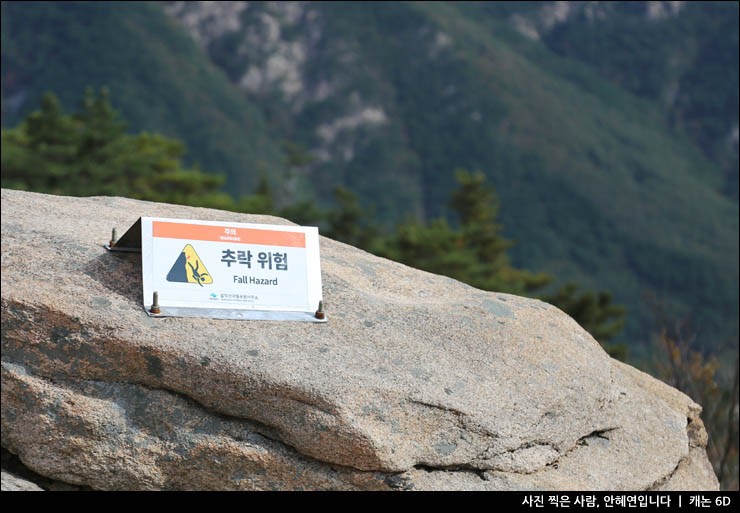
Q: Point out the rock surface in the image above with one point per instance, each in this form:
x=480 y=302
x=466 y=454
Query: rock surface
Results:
x=11 y=483
x=416 y=382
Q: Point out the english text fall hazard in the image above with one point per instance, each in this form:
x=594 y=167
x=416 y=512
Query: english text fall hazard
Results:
x=231 y=270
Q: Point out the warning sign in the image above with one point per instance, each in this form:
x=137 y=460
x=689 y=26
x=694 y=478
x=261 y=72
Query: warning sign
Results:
x=189 y=268
x=231 y=270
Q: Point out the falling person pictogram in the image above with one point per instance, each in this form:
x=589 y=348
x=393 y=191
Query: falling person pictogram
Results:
x=189 y=268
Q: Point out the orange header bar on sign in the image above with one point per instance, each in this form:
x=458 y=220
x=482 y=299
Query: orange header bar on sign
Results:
x=227 y=234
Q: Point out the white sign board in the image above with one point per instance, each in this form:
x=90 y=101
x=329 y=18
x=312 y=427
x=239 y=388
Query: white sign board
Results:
x=231 y=270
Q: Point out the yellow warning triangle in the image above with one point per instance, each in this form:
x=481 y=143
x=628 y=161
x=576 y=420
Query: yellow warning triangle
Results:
x=189 y=268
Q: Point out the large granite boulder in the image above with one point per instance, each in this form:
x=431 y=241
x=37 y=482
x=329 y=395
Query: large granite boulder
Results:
x=416 y=382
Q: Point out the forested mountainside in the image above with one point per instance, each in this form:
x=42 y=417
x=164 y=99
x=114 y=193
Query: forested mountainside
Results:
x=157 y=75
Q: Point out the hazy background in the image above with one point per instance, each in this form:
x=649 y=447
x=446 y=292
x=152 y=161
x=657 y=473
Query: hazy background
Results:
x=600 y=138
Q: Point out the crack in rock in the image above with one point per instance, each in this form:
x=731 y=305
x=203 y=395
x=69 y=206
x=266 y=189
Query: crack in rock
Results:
x=117 y=426
x=697 y=438
x=480 y=474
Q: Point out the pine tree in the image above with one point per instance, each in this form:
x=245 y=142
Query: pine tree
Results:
x=477 y=206
x=433 y=247
x=595 y=312
x=349 y=223
x=101 y=124
x=90 y=153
